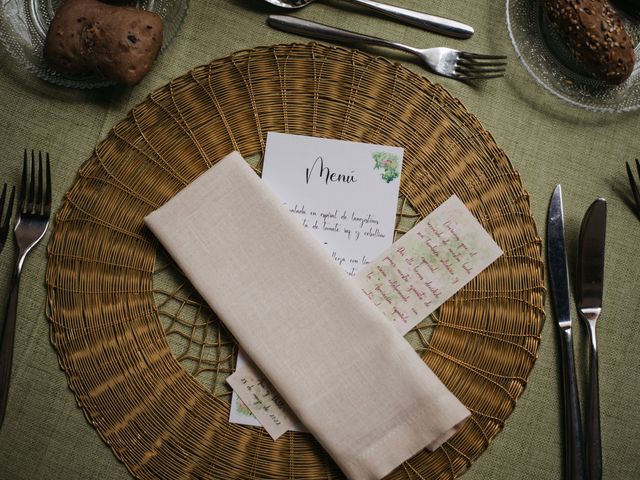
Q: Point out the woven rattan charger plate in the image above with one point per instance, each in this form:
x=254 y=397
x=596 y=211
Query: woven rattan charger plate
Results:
x=147 y=360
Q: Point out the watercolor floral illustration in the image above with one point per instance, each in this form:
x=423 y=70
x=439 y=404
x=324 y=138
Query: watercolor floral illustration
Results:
x=388 y=163
x=242 y=408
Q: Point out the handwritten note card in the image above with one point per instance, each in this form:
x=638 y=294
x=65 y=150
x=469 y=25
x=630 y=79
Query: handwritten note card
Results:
x=346 y=194
x=428 y=264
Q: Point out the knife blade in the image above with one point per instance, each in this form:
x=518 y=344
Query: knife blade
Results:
x=559 y=286
x=589 y=288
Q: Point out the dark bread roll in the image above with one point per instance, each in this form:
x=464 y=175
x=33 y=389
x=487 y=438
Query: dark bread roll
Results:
x=118 y=42
x=595 y=36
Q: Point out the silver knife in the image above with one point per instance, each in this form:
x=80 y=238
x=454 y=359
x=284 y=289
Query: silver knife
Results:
x=589 y=287
x=559 y=283
x=441 y=25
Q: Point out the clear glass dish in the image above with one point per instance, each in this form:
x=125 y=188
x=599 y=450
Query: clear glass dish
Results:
x=24 y=25
x=546 y=58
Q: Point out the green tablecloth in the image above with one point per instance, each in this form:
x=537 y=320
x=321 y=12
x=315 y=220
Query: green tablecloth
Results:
x=45 y=435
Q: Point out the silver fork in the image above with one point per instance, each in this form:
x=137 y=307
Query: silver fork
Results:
x=6 y=221
x=441 y=60
x=34 y=208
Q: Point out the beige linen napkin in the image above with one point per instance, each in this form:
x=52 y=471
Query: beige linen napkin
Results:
x=343 y=369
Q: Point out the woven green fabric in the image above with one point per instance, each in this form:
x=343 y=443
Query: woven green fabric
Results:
x=45 y=434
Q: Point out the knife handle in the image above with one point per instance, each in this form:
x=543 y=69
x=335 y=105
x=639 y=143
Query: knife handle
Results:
x=575 y=466
x=594 y=448
x=443 y=26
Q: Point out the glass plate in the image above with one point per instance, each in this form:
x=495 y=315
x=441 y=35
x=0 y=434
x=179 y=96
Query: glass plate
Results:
x=24 y=25
x=548 y=61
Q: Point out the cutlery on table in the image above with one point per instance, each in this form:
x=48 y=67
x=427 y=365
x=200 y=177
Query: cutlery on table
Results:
x=433 y=23
x=441 y=60
x=5 y=220
x=34 y=208
x=559 y=287
x=634 y=186
x=590 y=281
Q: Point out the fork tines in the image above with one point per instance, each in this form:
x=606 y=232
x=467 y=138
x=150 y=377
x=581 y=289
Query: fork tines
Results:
x=37 y=202
x=634 y=185
x=475 y=66
x=5 y=218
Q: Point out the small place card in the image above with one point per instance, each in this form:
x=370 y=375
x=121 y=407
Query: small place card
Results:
x=242 y=406
x=257 y=394
x=430 y=263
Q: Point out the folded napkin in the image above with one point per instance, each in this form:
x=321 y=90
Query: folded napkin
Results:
x=355 y=382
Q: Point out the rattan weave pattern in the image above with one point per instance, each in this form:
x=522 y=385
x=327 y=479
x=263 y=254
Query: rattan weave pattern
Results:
x=105 y=309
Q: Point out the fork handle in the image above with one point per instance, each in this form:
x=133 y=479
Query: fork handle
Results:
x=594 y=447
x=6 y=341
x=318 y=30
x=443 y=26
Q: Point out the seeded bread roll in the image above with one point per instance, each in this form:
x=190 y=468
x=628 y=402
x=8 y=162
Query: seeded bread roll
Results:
x=88 y=36
x=595 y=36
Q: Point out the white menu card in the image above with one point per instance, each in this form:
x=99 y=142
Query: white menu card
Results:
x=346 y=193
